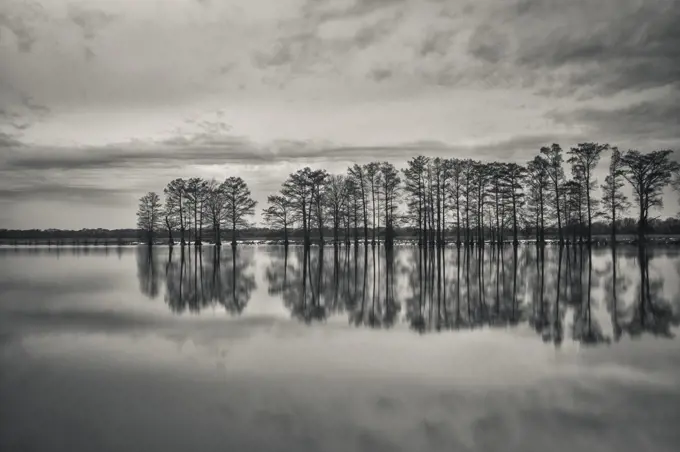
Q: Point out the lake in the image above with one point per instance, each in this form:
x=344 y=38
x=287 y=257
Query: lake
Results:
x=500 y=348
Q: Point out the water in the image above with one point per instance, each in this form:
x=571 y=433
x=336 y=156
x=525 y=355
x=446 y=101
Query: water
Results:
x=122 y=349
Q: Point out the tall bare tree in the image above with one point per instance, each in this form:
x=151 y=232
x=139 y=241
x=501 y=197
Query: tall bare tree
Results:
x=358 y=173
x=586 y=157
x=175 y=198
x=389 y=189
x=297 y=188
x=279 y=214
x=215 y=208
x=238 y=204
x=553 y=166
x=648 y=174
x=336 y=198
x=149 y=215
x=615 y=201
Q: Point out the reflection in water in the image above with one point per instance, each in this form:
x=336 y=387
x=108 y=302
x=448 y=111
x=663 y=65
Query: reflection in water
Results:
x=555 y=290
x=197 y=279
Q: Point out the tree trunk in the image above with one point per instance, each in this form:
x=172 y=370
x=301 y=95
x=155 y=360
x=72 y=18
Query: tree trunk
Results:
x=167 y=224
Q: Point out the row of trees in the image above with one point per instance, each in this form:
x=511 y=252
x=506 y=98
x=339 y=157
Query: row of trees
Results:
x=440 y=198
x=197 y=203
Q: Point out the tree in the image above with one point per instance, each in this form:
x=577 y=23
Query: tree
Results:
x=358 y=173
x=648 y=174
x=336 y=198
x=553 y=167
x=175 y=201
x=317 y=182
x=149 y=215
x=389 y=189
x=455 y=190
x=415 y=188
x=215 y=208
x=586 y=157
x=539 y=181
x=514 y=176
x=297 y=189
x=371 y=170
x=195 y=193
x=278 y=214
x=615 y=202
x=169 y=215
x=238 y=204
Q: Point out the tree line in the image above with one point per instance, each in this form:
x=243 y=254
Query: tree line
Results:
x=441 y=199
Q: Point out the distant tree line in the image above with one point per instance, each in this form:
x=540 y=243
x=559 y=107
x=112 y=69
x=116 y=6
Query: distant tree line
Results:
x=441 y=200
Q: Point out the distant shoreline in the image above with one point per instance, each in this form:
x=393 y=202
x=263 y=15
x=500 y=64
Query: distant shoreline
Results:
x=624 y=239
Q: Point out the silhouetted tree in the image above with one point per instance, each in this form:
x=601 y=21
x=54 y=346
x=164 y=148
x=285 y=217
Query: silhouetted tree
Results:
x=278 y=214
x=237 y=204
x=538 y=179
x=297 y=189
x=615 y=201
x=336 y=199
x=553 y=167
x=215 y=203
x=195 y=192
x=317 y=181
x=175 y=205
x=389 y=189
x=149 y=215
x=648 y=174
x=415 y=189
x=586 y=157
x=358 y=175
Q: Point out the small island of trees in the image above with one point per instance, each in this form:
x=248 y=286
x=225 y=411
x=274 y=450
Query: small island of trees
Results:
x=439 y=200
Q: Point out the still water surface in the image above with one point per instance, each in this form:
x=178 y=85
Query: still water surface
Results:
x=348 y=349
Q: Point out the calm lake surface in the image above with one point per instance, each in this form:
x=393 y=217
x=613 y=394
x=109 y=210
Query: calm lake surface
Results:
x=506 y=349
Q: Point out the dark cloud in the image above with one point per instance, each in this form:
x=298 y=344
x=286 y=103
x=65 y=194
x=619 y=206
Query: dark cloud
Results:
x=648 y=120
x=90 y=21
x=380 y=74
x=222 y=150
x=7 y=140
x=636 y=47
x=487 y=44
x=437 y=42
x=67 y=192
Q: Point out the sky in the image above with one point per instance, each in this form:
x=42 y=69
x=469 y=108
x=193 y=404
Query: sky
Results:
x=104 y=100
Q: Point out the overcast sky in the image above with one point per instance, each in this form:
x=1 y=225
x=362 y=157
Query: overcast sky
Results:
x=103 y=100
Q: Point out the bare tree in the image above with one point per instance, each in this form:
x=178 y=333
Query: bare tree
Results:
x=553 y=159
x=615 y=201
x=171 y=219
x=215 y=207
x=538 y=180
x=195 y=192
x=648 y=174
x=586 y=157
x=175 y=198
x=358 y=173
x=149 y=215
x=297 y=188
x=278 y=214
x=336 y=198
x=389 y=189
x=238 y=204
x=415 y=175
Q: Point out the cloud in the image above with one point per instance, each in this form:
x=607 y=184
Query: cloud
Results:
x=649 y=120
x=67 y=192
x=90 y=21
x=600 y=47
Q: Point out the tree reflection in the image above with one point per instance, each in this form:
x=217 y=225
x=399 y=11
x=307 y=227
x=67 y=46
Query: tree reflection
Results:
x=652 y=313
x=199 y=279
x=559 y=291
x=147 y=271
